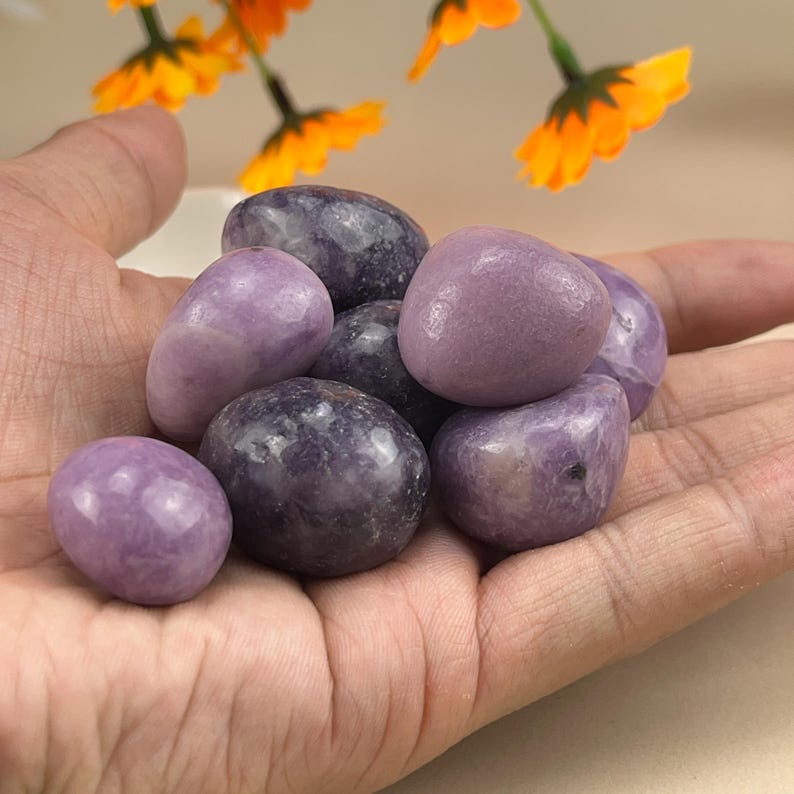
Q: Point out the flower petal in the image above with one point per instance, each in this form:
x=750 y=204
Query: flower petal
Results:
x=455 y=25
x=542 y=150
x=665 y=74
x=495 y=13
x=426 y=55
x=610 y=127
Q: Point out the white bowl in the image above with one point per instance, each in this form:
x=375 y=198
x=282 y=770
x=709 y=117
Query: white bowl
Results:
x=190 y=240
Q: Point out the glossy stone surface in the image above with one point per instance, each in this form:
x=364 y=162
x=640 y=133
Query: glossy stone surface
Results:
x=142 y=519
x=635 y=349
x=363 y=352
x=538 y=474
x=254 y=317
x=362 y=247
x=495 y=317
x=322 y=479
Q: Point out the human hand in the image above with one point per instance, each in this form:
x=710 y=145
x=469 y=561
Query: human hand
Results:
x=268 y=683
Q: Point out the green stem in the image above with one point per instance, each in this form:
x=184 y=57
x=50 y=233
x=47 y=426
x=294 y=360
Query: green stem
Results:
x=151 y=22
x=271 y=82
x=559 y=48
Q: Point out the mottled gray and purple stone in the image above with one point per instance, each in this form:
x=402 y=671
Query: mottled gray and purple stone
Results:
x=495 y=317
x=254 y=317
x=363 y=352
x=142 y=519
x=322 y=479
x=538 y=474
x=635 y=349
x=362 y=247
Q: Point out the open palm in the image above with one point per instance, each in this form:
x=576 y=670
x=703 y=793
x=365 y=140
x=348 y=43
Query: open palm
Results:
x=268 y=683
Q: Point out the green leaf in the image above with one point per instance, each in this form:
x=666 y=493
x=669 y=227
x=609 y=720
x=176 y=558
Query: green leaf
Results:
x=576 y=98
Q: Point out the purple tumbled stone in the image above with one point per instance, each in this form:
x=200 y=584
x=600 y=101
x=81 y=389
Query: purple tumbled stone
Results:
x=635 y=349
x=322 y=479
x=495 y=317
x=362 y=247
x=362 y=352
x=542 y=473
x=142 y=519
x=255 y=317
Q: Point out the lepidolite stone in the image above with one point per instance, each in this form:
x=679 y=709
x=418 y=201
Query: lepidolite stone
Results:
x=363 y=352
x=362 y=247
x=635 y=349
x=141 y=518
x=322 y=479
x=254 y=317
x=538 y=474
x=495 y=317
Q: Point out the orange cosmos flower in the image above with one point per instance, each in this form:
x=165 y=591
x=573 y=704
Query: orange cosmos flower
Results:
x=454 y=21
x=167 y=71
x=116 y=5
x=261 y=18
x=596 y=114
x=302 y=143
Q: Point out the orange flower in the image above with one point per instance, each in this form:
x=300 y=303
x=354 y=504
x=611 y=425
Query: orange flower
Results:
x=596 y=114
x=116 y=5
x=454 y=21
x=167 y=71
x=262 y=19
x=303 y=143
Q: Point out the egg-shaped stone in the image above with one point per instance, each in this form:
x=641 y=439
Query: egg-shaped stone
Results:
x=541 y=473
x=635 y=349
x=255 y=317
x=495 y=317
x=362 y=247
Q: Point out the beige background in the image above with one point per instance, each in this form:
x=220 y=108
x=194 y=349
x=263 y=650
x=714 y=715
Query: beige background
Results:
x=712 y=709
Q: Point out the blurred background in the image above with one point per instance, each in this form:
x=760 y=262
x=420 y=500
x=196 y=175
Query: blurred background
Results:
x=720 y=163
x=710 y=709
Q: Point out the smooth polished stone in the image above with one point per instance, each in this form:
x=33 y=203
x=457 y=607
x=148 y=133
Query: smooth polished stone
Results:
x=142 y=519
x=363 y=352
x=635 y=349
x=542 y=473
x=495 y=317
x=362 y=247
x=322 y=479
x=254 y=317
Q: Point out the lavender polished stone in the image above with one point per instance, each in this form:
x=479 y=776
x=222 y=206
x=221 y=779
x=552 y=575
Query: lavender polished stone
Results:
x=538 y=474
x=254 y=317
x=635 y=349
x=363 y=352
x=322 y=479
x=362 y=247
x=495 y=317
x=142 y=519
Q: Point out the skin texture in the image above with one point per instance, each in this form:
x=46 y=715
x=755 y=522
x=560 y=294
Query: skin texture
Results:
x=268 y=683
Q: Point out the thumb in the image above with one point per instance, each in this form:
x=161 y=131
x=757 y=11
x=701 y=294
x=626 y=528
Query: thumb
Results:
x=114 y=178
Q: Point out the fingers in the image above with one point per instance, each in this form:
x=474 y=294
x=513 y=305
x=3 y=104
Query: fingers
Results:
x=667 y=461
x=708 y=382
x=715 y=293
x=549 y=616
x=114 y=178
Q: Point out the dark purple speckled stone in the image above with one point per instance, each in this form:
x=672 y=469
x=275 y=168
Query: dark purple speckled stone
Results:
x=141 y=518
x=361 y=247
x=635 y=349
x=539 y=474
x=363 y=352
x=322 y=479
